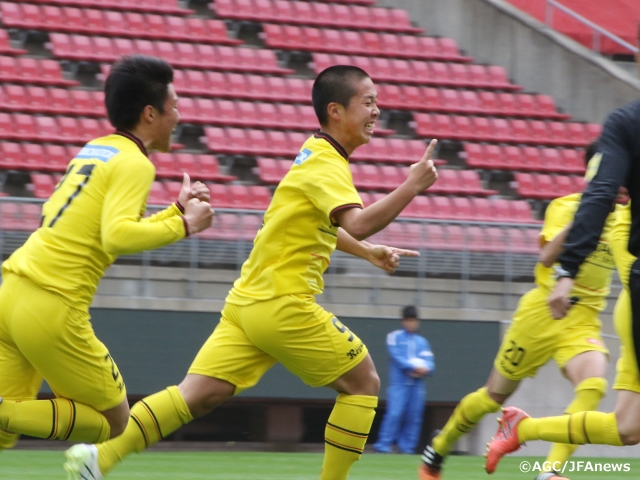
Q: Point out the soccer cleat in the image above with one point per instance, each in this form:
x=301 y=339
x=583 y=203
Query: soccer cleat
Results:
x=550 y=476
x=425 y=472
x=506 y=439
x=431 y=466
x=82 y=463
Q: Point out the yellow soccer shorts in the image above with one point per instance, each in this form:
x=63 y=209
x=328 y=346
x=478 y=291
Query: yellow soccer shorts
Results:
x=535 y=337
x=41 y=336
x=293 y=330
x=627 y=377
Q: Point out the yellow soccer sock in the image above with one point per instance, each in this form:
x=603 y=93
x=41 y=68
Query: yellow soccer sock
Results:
x=57 y=419
x=464 y=418
x=588 y=394
x=152 y=419
x=577 y=429
x=346 y=434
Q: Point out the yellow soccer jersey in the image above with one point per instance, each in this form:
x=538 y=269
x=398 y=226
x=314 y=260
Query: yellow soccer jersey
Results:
x=93 y=215
x=291 y=251
x=592 y=284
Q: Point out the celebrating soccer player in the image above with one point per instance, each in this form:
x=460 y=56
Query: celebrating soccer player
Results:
x=270 y=314
x=48 y=284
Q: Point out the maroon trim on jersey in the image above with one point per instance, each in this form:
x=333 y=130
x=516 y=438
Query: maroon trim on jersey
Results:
x=342 y=207
x=334 y=144
x=134 y=139
x=186 y=226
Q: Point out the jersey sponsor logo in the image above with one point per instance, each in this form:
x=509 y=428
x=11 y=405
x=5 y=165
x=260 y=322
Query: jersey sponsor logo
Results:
x=354 y=352
x=98 y=152
x=303 y=156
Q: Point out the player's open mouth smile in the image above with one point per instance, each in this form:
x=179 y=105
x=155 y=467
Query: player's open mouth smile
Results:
x=368 y=127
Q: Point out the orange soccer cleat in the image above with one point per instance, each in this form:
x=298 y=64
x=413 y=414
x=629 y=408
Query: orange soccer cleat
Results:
x=506 y=439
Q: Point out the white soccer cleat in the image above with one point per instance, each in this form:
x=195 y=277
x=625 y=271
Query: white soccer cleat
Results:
x=82 y=463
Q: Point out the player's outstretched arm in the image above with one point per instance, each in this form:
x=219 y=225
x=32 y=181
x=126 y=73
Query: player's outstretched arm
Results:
x=361 y=224
x=122 y=231
x=382 y=256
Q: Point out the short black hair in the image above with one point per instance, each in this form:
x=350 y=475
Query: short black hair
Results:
x=335 y=84
x=409 y=312
x=590 y=151
x=134 y=82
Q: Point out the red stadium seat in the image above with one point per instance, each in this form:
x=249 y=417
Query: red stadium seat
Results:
x=10 y=156
x=43 y=185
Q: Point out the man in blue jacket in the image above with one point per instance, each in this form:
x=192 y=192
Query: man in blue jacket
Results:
x=411 y=361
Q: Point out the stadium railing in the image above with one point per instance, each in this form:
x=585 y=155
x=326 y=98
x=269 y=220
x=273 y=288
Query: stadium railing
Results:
x=463 y=250
x=598 y=32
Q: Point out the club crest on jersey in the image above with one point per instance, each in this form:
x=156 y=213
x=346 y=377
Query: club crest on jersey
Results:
x=98 y=152
x=303 y=156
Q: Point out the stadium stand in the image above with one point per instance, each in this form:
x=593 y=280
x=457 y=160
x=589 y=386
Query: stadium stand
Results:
x=620 y=18
x=112 y=23
x=248 y=102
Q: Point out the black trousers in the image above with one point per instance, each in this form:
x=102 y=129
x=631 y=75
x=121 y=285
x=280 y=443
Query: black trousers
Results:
x=634 y=290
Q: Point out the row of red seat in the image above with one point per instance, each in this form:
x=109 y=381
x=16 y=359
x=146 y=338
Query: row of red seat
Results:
x=505 y=130
x=166 y=7
x=242 y=86
x=429 y=99
x=547 y=187
x=405 y=97
x=271 y=143
x=62 y=101
x=247 y=197
x=475 y=209
x=33 y=71
x=199 y=166
x=527 y=159
x=386 y=177
x=248 y=114
x=35 y=156
x=290 y=37
x=421 y=72
x=56 y=101
x=316 y=14
x=5 y=45
x=115 y=24
x=457 y=238
x=22 y=127
x=179 y=54
x=55 y=158
x=22 y=217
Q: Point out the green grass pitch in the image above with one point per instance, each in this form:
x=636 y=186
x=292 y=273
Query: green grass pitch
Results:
x=36 y=465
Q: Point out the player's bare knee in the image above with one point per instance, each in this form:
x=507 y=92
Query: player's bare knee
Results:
x=203 y=394
x=117 y=417
x=117 y=427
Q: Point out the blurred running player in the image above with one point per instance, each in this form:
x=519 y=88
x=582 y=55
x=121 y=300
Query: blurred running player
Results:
x=535 y=337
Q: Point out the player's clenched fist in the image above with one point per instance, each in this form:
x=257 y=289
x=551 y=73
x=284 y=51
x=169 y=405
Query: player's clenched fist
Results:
x=198 y=215
x=424 y=174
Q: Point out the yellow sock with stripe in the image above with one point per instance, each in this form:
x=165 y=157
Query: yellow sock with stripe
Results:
x=57 y=419
x=588 y=394
x=346 y=434
x=151 y=419
x=577 y=429
x=464 y=418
